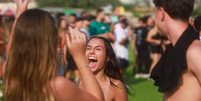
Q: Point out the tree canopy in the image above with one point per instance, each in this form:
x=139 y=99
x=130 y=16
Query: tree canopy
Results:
x=197 y=10
x=86 y=4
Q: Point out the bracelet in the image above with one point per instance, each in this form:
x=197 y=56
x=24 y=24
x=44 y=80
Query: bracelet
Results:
x=83 y=67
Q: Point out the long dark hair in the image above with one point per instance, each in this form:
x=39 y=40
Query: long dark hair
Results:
x=33 y=59
x=112 y=67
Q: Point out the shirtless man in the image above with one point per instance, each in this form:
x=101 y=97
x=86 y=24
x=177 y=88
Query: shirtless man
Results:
x=178 y=73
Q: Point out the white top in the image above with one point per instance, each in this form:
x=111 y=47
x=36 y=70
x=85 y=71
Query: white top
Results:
x=120 y=49
x=85 y=31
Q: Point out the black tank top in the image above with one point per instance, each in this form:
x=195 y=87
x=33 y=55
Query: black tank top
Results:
x=157 y=37
x=168 y=70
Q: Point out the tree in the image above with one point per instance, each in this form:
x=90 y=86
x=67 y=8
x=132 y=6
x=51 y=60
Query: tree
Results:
x=86 y=4
x=51 y=3
x=197 y=10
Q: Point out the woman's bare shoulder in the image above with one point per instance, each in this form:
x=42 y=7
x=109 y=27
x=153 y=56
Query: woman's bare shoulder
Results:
x=62 y=86
x=118 y=83
x=119 y=91
x=153 y=31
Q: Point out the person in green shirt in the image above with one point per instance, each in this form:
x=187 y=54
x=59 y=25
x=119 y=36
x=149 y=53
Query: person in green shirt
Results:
x=97 y=27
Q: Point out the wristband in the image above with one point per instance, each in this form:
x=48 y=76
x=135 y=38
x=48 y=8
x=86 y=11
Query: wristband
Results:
x=83 y=67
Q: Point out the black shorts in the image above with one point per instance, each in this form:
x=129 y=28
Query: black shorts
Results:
x=123 y=63
x=156 y=49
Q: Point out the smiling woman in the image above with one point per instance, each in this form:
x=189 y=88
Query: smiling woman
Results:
x=103 y=63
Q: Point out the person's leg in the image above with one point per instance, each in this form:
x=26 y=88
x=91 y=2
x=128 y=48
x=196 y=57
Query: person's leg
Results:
x=155 y=60
x=123 y=64
x=135 y=60
x=134 y=64
x=139 y=73
x=139 y=62
x=147 y=61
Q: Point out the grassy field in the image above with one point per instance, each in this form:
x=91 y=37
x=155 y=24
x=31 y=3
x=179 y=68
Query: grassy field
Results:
x=1 y=91
x=144 y=89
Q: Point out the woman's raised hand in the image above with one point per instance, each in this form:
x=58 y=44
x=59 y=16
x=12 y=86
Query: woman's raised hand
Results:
x=21 y=7
x=76 y=43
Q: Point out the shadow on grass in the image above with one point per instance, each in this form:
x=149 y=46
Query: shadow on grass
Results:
x=131 y=78
x=132 y=81
x=131 y=75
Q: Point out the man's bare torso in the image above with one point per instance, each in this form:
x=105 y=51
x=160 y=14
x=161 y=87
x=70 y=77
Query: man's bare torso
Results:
x=188 y=88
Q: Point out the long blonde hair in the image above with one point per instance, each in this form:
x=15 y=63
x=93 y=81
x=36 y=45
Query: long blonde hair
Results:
x=33 y=59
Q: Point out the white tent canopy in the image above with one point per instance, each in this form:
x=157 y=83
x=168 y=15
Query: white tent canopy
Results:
x=8 y=12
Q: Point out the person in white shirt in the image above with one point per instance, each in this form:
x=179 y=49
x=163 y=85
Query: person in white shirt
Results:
x=121 y=45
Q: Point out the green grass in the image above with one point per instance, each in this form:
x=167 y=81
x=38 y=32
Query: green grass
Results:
x=144 y=89
x=1 y=89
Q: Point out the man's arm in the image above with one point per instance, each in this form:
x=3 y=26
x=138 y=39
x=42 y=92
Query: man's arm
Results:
x=105 y=35
x=194 y=59
x=151 y=34
x=125 y=39
x=133 y=42
x=93 y=32
x=111 y=36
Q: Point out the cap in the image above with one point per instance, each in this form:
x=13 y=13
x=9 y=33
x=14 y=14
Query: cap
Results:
x=125 y=22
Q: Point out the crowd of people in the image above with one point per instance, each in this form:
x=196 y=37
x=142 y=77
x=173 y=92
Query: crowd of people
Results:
x=148 y=45
x=146 y=41
x=39 y=54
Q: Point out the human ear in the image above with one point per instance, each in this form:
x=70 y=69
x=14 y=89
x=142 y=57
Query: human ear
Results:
x=162 y=13
x=108 y=58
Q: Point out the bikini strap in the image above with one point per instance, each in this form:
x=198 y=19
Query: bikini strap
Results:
x=78 y=81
